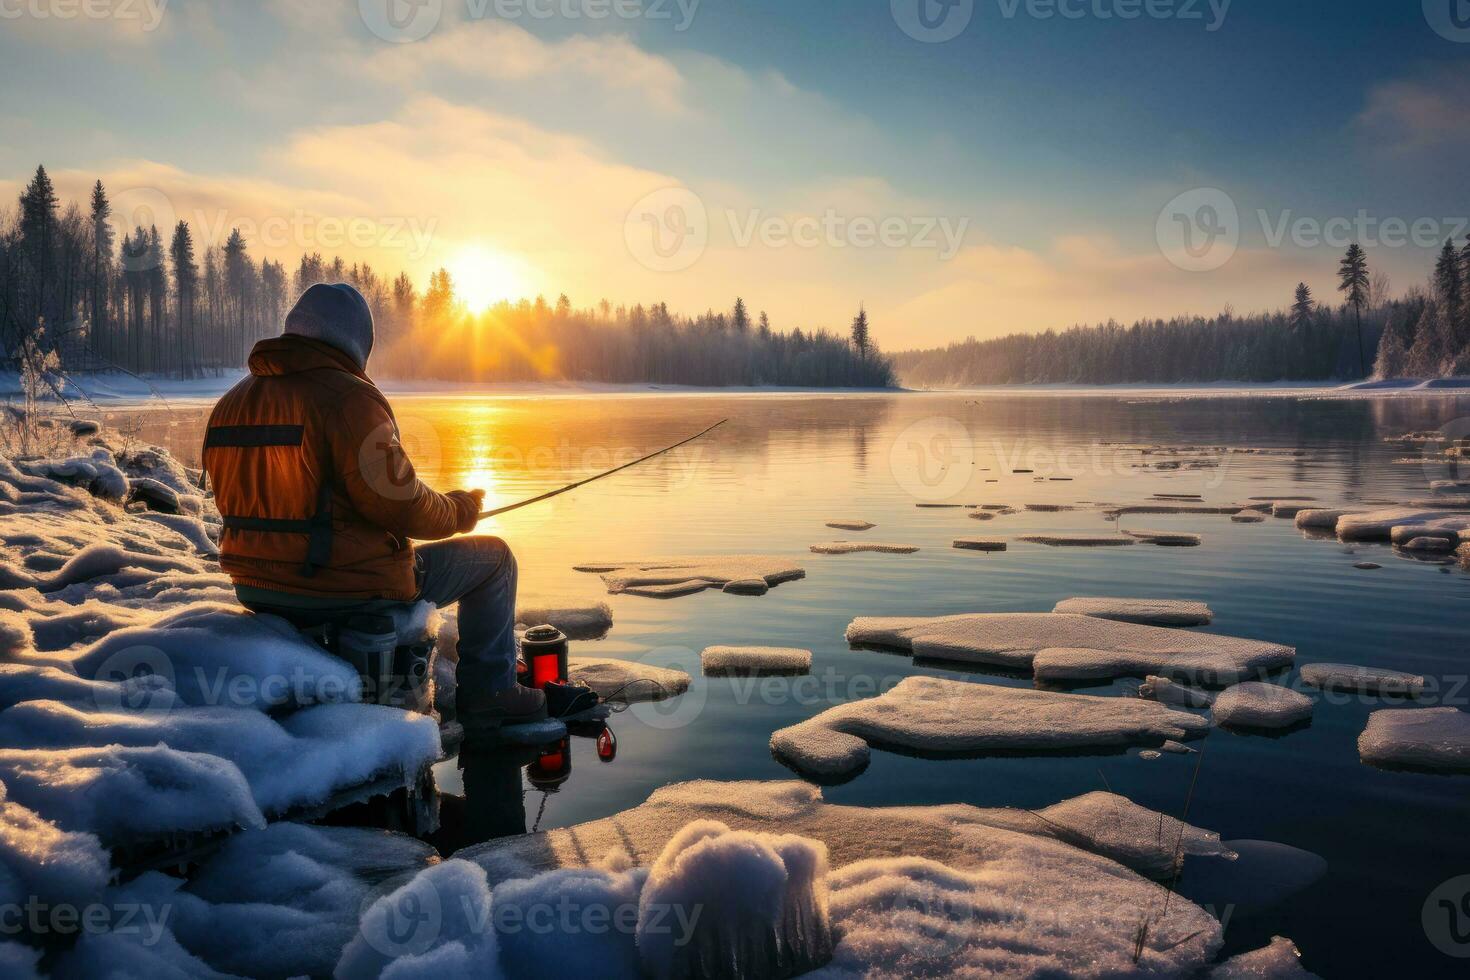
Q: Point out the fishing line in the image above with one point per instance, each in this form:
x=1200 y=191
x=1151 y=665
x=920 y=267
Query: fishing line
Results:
x=593 y=479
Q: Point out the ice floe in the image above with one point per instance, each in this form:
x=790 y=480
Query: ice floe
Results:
x=980 y=544
x=860 y=547
x=1078 y=540
x=1021 y=641
x=1255 y=704
x=669 y=577
x=1280 y=960
x=738 y=660
x=1167 y=539
x=1362 y=680
x=1379 y=525
x=627 y=680
x=1150 y=612
x=1436 y=739
x=1165 y=691
x=934 y=715
x=578 y=619
x=1323 y=518
x=851 y=525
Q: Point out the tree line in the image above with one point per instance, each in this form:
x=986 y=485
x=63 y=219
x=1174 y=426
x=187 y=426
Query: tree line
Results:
x=154 y=302
x=1428 y=335
x=1308 y=341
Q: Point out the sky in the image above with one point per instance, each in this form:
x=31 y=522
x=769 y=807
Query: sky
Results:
x=958 y=167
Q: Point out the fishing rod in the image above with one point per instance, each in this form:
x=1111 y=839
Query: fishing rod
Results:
x=593 y=479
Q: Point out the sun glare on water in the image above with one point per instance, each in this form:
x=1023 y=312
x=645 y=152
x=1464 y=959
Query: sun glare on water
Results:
x=483 y=277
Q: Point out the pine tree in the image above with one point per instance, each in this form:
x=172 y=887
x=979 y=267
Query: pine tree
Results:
x=39 y=209
x=1303 y=308
x=186 y=285
x=101 y=272
x=1448 y=282
x=1353 y=280
x=861 y=341
x=740 y=318
x=765 y=327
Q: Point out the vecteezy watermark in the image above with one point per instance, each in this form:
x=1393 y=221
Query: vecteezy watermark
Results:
x=667 y=230
x=835 y=230
x=1199 y=231
x=1446 y=917
x=147 y=14
x=937 y=21
x=1449 y=18
x=38 y=918
x=670 y=229
x=406 y=21
x=933 y=459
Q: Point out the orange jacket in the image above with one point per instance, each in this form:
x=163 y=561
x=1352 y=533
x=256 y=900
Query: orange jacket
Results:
x=317 y=494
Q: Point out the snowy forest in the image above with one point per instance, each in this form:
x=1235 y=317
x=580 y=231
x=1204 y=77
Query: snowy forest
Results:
x=157 y=302
x=1424 y=334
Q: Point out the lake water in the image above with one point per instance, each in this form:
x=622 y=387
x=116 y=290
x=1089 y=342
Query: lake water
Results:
x=767 y=481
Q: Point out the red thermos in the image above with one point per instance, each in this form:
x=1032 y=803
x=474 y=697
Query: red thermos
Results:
x=545 y=651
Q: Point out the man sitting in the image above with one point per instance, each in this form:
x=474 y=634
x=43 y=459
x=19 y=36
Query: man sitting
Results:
x=321 y=504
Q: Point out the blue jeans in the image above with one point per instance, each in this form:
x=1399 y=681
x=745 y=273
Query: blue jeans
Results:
x=480 y=574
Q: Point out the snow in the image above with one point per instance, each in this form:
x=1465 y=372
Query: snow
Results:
x=857 y=547
x=937 y=716
x=1280 y=960
x=666 y=577
x=122 y=794
x=1435 y=739
x=40 y=860
x=933 y=891
x=1151 y=612
x=750 y=661
x=627 y=680
x=1362 y=680
x=1077 y=540
x=980 y=544
x=851 y=525
x=1017 y=641
x=1259 y=705
x=19 y=962
x=1167 y=539
x=1323 y=518
x=604 y=904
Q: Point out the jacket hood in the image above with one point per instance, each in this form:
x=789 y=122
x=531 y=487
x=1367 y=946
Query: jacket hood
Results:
x=292 y=354
x=337 y=315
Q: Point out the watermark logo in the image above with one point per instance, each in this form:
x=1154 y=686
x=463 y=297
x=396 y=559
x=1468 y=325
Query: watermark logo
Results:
x=402 y=917
x=658 y=708
x=136 y=679
x=401 y=21
x=1449 y=18
x=147 y=14
x=144 y=207
x=933 y=459
x=933 y=21
x=1199 y=231
x=384 y=456
x=1446 y=917
x=668 y=230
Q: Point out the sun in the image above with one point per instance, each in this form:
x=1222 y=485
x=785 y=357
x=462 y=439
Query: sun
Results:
x=484 y=276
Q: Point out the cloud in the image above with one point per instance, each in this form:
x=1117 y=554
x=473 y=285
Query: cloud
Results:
x=1418 y=115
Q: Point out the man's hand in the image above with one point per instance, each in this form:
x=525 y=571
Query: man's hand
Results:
x=471 y=502
x=479 y=496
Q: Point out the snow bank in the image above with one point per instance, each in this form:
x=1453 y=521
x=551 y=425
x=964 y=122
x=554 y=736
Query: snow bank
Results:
x=1016 y=641
x=932 y=715
x=40 y=860
x=121 y=794
x=1362 y=680
x=1435 y=739
x=1280 y=960
x=936 y=891
x=1258 y=705
x=627 y=680
x=1149 y=612
x=755 y=661
x=857 y=547
x=669 y=577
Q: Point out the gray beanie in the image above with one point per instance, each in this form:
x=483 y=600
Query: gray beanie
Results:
x=336 y=315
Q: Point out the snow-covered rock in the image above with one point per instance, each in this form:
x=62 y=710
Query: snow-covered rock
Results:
x=1016 y=641
x=1148 y=612
x=1255 y=704
x=1435 y=739
x=755 y=660
x=933 y=715
x=1324 y=519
